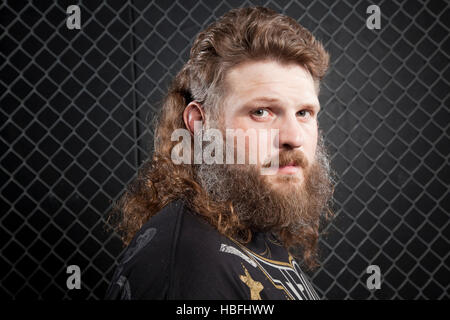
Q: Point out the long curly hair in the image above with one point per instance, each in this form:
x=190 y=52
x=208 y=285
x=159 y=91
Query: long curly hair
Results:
x=240 y=35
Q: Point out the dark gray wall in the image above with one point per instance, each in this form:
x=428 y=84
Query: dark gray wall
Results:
x=75 y=108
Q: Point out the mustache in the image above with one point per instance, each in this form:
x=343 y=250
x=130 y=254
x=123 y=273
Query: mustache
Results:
x=291 y=157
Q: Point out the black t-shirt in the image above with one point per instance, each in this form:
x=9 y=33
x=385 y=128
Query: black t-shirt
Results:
x=178 y=255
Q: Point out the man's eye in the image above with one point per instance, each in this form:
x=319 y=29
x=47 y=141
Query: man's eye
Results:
x=260 y=113
x=304 y=113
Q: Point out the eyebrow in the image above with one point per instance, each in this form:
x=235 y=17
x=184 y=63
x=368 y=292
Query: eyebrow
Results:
x=276 y=100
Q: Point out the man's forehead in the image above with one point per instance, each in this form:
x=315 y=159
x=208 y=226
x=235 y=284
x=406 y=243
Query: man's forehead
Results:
x=271 y=82
x=264 y=99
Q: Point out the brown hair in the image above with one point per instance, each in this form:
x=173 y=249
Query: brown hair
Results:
x=240 y=35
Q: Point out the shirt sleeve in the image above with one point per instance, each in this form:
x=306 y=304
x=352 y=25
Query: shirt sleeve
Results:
x=144 y=269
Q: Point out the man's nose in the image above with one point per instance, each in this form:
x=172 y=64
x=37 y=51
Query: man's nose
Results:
x=290 y=134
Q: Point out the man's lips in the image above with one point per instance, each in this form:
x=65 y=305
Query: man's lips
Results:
x=290 y=168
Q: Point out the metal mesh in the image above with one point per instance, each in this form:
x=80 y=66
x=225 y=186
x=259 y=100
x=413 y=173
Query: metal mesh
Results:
x=75 y=109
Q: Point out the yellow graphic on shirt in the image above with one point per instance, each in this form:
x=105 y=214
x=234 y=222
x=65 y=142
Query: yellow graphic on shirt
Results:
x=285 y=276
x=255 y=286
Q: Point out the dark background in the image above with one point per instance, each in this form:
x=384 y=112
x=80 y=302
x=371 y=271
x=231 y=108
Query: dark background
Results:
x=74 y=127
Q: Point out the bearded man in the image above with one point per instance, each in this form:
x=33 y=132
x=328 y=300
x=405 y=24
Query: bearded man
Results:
x=224 y=230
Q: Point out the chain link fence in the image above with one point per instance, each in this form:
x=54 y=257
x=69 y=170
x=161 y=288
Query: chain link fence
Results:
x=74 y=128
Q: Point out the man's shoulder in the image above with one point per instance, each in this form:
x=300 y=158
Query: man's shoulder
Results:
x=173 y=241
x=160 y=228
x=178 y=225
x=147 y=258
x=173 y=228
x=191 y=238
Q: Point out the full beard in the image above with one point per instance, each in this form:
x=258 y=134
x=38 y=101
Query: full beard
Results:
x=291 y=204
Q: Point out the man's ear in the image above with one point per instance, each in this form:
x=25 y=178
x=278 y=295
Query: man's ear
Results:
x=193 y=112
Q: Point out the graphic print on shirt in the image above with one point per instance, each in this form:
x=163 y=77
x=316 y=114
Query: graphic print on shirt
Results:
x=230 y=249
x=284 y=276
x=254 y=286
x=122 y=282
